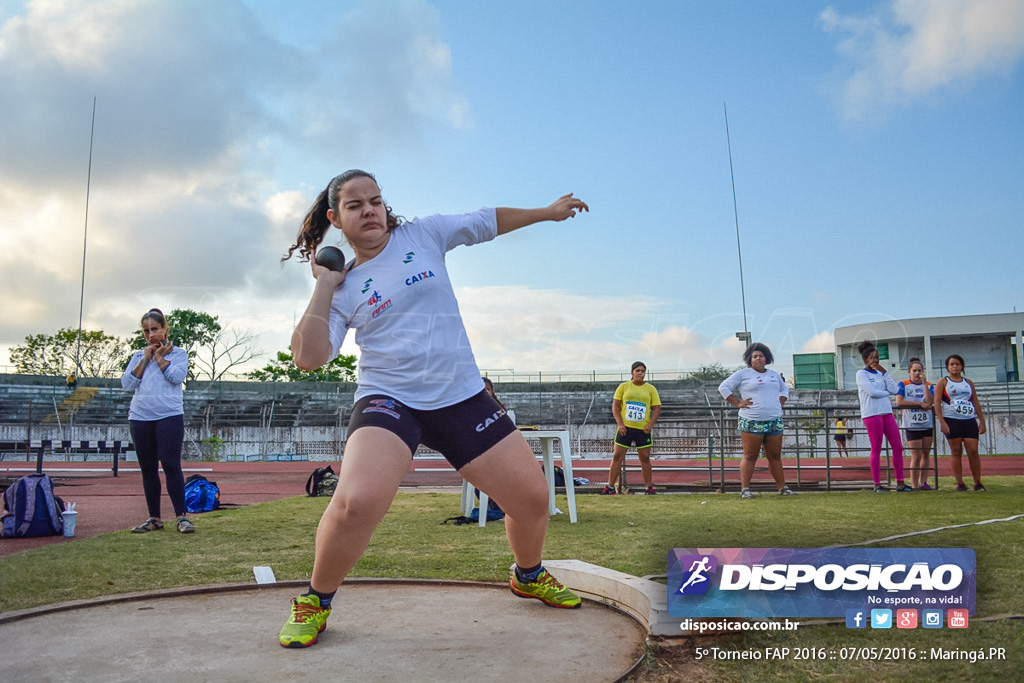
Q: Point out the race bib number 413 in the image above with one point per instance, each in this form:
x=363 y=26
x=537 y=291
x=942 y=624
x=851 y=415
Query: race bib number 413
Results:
x=636 y=412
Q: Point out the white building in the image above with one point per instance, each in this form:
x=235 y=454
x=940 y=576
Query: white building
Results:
x=992 y=346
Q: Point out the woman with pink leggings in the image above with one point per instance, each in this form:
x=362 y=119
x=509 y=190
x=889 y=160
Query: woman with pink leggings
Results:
x=875 y=386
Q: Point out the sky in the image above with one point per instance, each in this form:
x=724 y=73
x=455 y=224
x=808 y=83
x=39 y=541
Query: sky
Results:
x=877 y=151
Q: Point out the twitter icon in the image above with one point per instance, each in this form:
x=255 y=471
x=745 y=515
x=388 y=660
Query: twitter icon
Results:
x=881 y=618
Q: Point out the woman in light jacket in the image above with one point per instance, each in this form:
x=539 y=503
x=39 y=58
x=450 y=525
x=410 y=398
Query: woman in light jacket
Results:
x=157 y=419
x=875 y=386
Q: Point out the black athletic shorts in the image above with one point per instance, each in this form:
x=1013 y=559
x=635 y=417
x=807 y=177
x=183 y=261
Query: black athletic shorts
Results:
x=461 y=432
x=962 y=429
x=917 y=434
x=633 y=437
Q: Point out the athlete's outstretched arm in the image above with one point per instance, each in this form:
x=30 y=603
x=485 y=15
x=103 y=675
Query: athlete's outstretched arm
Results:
x=564 y=207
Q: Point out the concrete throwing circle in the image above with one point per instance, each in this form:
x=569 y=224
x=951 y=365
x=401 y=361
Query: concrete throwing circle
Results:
x=378 y=631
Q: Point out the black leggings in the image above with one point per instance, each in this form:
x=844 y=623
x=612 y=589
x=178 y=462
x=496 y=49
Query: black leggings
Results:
x=158 y=442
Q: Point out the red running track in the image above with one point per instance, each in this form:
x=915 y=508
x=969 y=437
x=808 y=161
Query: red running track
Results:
x=107 y=503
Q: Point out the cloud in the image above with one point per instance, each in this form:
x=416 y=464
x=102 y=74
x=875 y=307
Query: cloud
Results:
x=175 y=84
x=389 y=77
x=524 y=327
x=911 y=48
x=533 y=329
x=199 y=107
x=823 y=342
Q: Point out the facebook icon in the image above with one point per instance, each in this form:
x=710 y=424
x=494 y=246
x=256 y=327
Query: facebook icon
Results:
x=856 y=618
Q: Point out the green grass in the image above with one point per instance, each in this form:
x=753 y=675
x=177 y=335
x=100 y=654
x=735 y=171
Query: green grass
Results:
x=631 y=534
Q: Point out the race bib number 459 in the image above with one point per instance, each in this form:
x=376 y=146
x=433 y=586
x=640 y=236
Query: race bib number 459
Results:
x=964 y=408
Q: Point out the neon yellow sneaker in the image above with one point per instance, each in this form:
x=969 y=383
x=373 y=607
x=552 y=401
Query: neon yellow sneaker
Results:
x=547 y=589
x=306 y=622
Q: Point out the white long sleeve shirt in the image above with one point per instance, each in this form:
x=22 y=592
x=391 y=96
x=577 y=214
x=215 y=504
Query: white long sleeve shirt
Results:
x=874 y=389
x=158 y=394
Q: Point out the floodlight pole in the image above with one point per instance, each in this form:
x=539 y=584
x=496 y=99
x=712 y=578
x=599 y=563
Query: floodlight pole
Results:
x=85 y=240
x=745 y=335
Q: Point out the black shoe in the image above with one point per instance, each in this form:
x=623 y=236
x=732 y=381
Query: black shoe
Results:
x=149 y=525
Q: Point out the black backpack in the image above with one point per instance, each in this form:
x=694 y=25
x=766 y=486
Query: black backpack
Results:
x=322 y=482
x=32 y=508
x=559 y=475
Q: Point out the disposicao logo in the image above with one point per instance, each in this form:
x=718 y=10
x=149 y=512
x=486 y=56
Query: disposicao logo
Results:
x=817 y=582
x=695 y=579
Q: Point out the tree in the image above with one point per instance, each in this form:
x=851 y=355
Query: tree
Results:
x=227 y=349
x=712 y=372
x=99 y=355
x=283 y=369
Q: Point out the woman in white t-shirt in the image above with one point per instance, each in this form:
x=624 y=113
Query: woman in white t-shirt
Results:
x=961 y=420
x=418 y=383
x=759 y=393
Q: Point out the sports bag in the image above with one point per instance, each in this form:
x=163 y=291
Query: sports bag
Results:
x=322 y=482
x=201 y=494
x=32 y=508
x=494 y=512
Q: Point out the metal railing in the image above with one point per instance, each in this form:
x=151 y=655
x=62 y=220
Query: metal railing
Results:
x=263 y=419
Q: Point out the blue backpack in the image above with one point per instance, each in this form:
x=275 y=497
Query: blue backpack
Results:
x=494 y=512
x=32 y=508
x=201 y=494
